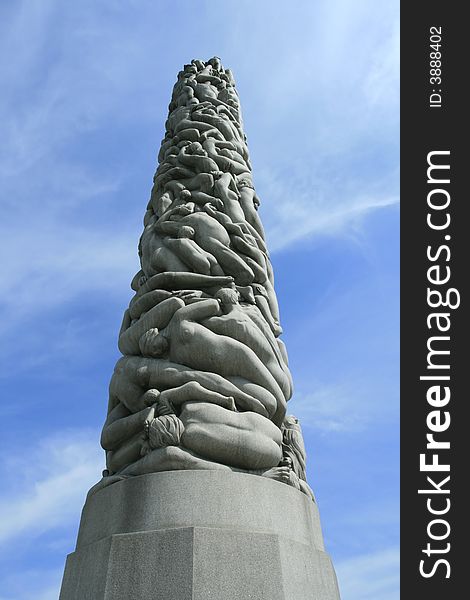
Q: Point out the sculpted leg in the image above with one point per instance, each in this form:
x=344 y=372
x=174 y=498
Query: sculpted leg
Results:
x=272 y=300
x=202 y=182
x=258 y=271
x=183 y=281
x=141 y=304
x=229 y=197
x=135 y=375
x=124 y=389
x=265 y=309
x=171 y=458
x=195 y=392
x=276 y=406
x=120 y=426
x=163 y=259
x=157 y=317
x=127 y=453
x=238 y=325
x=230 y=262
x=247 y=201
x=186 y=349
x=190 y=254
x=243 y=440
x=252 y=251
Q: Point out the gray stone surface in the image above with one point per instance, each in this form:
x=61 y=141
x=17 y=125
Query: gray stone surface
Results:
x=198 y=535
x=204 y=380
x=202 y=499
x=198 y=444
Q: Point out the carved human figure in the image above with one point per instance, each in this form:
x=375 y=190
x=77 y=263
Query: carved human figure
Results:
x=212 y=237
x=234 y=322
x=210 y=429
x=191 y=254
x=185 y=335
x=249 y=202
x=293 y=448
x=204 y=380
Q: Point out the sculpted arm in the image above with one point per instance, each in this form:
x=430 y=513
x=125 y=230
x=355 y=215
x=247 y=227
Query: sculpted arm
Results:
x=157 y=317
x=168 y=227
x=200 y=311
x=120 y=426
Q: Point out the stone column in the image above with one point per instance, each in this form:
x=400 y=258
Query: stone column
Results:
x=205 y=494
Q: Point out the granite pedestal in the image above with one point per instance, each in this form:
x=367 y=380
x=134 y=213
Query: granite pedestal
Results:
x=199 y=535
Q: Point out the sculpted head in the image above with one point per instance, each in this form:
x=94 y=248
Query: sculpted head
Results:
x=196 y=148
x=215 y=63
x=198 y=64
x=185 y=195
x=244 y=182
x=186 y=232
x=165 y=431
x=291 y=422
x=227 y=296
x=150 y=397
x=153 y=344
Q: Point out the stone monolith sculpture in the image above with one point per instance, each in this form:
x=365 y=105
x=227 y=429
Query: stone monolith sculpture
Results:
x=204 y=495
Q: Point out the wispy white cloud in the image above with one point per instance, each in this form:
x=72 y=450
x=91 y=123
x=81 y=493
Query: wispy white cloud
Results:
x=51 y=481
x=324 y=120
x=50 y=273
x=57 y=90
x=333 y=408
x=94 y=70
x=302 y=205
x=382 y=84
x=75 y=77
x=319 y=93
x=370 y=576
x=50 y=265
x=32 y=584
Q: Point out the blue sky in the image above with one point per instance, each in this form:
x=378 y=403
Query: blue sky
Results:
x=86 y=87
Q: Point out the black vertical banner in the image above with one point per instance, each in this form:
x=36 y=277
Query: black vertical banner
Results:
x=435 y=252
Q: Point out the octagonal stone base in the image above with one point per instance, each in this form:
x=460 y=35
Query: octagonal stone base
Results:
x=199 y=535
